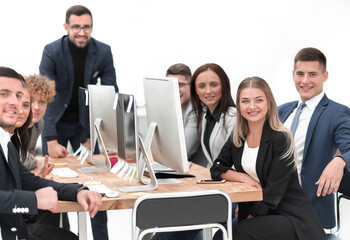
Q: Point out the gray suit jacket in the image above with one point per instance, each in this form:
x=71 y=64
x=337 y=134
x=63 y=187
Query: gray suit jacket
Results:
x=190 y=128
x=219 y=135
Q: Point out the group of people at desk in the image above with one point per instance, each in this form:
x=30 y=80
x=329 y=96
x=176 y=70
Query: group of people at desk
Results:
x=297 y=169
x=288 y=151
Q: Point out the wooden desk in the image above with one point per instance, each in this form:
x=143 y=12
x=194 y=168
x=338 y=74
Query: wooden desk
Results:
x=238 y=192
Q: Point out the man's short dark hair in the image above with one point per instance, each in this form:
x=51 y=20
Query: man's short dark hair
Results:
x=77 y=10
x=180 y=69
x=9 y=72
x=310 y=55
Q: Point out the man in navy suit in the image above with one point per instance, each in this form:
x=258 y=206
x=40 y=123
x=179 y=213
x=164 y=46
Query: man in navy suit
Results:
x=324 y=127
x=21 y=192
x=74 y=61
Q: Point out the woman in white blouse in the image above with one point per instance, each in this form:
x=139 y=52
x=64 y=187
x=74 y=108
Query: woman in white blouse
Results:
x=261 y=154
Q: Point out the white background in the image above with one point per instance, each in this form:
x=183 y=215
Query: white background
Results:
x=245 y=37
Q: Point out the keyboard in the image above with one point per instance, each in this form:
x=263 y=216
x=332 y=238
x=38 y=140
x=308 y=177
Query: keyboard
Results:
x=157 y=167
x=103 y=189
x=64 y=172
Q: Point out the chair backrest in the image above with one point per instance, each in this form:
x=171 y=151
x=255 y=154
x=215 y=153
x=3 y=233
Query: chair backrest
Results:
x=344 y=186
x=182 y=209
x=343 y=193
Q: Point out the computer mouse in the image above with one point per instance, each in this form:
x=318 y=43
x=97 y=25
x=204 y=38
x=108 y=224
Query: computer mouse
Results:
x=112 y=194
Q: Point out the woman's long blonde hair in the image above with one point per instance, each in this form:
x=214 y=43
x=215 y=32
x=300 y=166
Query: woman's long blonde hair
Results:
x=241 y=128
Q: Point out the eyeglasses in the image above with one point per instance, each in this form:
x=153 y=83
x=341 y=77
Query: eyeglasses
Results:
x=181 y=85
x=77 y=28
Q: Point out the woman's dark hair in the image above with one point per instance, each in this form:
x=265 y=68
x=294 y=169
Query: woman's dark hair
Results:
x=24 y=138
x=226 y=100
x=21 y=138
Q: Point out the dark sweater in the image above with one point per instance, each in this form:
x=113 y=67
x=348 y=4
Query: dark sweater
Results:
x=78 y=57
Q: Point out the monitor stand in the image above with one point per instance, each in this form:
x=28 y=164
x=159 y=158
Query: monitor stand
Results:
x=143 y=161
x=149 y=184
x=97 y=125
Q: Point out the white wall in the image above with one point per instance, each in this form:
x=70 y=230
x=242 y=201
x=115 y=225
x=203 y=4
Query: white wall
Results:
x=246 y=37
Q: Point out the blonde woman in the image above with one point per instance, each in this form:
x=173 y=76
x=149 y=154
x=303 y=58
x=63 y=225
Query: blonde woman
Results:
x=261 y=154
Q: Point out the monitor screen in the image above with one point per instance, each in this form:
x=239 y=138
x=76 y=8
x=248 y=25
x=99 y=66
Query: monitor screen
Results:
x=103 y=112
x=163 y=107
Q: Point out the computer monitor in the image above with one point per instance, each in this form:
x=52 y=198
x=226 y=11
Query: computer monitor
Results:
x=101 y=100
x=165 y=138
x=163 y=107
x=127 y=128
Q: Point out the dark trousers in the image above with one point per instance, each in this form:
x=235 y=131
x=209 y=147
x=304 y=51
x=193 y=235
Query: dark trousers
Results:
x=270 y=227
x=218 y=234
x=183 y=235
x=68 y=130
x=40 y=231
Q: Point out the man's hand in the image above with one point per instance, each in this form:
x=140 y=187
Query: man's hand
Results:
x=90 y=201
x=46 y=168
x=46 y=198
x=56 y=150
x=331 y=176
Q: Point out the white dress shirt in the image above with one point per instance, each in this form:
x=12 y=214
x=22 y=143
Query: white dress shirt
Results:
x=249 y=158
x=304 y=120
x=4 y=140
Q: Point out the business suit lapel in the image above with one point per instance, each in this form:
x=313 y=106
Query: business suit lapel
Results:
x=2 y=154
x=89 y=63
x=237 y=160
x=264 y=141
x=289 y=109
x=67 y=56
x=10 y=164
x=216 y=131
x=313 y=121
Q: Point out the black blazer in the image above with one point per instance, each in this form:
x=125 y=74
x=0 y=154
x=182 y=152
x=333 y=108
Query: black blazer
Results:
x=17 y=196
x=282 y=193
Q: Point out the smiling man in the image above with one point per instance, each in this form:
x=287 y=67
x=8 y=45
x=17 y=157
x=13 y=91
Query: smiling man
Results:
x=183 y=74
x=21 y=192
x=74 y=61
x=320 y=127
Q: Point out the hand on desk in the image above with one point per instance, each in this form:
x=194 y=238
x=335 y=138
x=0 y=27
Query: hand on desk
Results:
x=47 y=198
x=45 y=169
x=234 y=176
x=56 y=150
x=90 y=201
x=245 y=178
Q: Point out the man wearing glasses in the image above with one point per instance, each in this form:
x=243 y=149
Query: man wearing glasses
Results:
x=183 y=74
x=74 y=61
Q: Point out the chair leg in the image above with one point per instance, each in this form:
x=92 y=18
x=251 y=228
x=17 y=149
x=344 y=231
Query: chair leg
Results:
x=207 y=234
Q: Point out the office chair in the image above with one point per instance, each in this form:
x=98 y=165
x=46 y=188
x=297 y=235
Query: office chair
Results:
x=169 y=212
x=343 y=193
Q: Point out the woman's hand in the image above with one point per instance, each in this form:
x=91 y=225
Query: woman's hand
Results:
x=234 y=176
x=245 y=178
